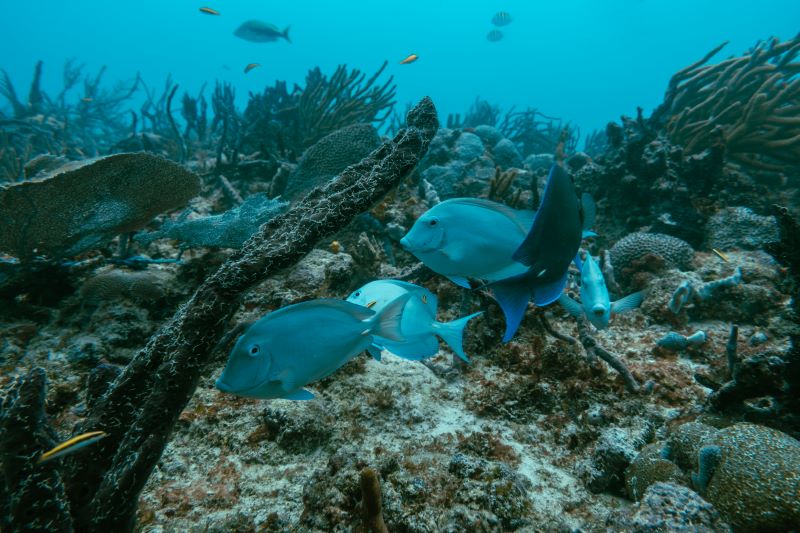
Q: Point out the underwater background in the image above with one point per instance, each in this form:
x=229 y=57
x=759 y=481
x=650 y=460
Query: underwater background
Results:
x=408 y=267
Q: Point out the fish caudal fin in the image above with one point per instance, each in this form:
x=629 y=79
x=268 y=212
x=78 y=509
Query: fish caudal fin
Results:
x=387 y=322
x=550 y=292
x=513 y=295
x=630 y=302
x=285 y=34
x=453 y=334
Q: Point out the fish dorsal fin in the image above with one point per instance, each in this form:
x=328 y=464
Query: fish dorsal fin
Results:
x=571 y=306
x=520 y=218
x=430 y=301
x=358 y=311
x=630 y=302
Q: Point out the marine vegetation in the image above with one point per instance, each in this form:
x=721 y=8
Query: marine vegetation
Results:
x=278 y=319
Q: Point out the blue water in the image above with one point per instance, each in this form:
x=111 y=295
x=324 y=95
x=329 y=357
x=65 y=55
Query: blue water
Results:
x=585 y=61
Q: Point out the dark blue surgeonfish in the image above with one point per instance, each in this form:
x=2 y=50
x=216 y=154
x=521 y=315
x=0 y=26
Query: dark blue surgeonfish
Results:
x=550 y=246
x=261 y=32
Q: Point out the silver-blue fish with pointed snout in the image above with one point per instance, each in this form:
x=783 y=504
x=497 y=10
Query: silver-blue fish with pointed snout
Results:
x=302 y=343
x=596 y=305
x=418 y=325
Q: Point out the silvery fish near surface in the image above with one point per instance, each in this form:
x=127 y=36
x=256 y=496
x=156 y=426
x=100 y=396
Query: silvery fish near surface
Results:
x=418 y=325
x=466 y=238
x=595 y=303
x=301 y=343
x=494 y=36
x=550 y=246
x=261 y=32
x=501 y=18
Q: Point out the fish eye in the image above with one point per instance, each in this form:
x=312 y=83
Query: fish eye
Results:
x=357 y=294
x=433 y=221
x=254 y=350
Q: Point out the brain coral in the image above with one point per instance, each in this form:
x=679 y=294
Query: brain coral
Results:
x=756 y=484
x=675 y=252
x=330 y=155
x=86 y=203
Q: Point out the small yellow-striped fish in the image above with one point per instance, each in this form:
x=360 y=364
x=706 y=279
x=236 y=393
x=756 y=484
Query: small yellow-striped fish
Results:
x=409 y=59
x=721 y=255
x=251 y=66
x=209 y=11
x=72 y=445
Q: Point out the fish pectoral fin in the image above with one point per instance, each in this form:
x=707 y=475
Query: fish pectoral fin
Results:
x=300 y=394
x=630 y=302
x=460 y=281
x=375 y=351
x=571 y=306
x=289 y=380
x=512 y=294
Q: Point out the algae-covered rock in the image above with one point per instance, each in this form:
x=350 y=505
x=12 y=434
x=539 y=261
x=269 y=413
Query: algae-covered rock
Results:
x=87 y=203
x=685 y=442
x=756 y=483
x=675 y=508
x=651 y=467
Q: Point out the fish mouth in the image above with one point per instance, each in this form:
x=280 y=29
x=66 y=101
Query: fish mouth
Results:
x=221 y=385
x=371 y=304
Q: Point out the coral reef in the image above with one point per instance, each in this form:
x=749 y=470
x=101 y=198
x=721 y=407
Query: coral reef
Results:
x=748 y=102
x=329 y=156
x=227 y=230
x=285 y=123
x=638 y=252
x=81 y=205
x=140 y=409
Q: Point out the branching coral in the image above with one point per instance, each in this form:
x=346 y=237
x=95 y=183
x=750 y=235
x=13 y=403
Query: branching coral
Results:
x=752 y=100
x=283 y=122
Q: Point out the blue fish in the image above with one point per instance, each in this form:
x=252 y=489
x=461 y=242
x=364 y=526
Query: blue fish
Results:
x=419 y=325
x=466 y=238
x=595 y=302
x=550 y=246
x=301 y=343
x=469 y=238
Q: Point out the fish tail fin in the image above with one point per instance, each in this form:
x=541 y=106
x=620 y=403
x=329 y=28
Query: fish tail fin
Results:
x=453 y=334
x=548 y=293
x=387 y=322
x=513 y=295
x=285 y=34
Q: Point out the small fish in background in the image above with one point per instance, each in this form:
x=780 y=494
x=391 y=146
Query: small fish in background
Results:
x=419 y=325
x=261 y=32
x=501 y=18
x=595 y=304
x=494 y=36
x=301 y=343
x=464 y=238
x=410 y=59
x=251 y=66
x=72 y=445
x=550 y=246
x=87 y=100
x=209 y=11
